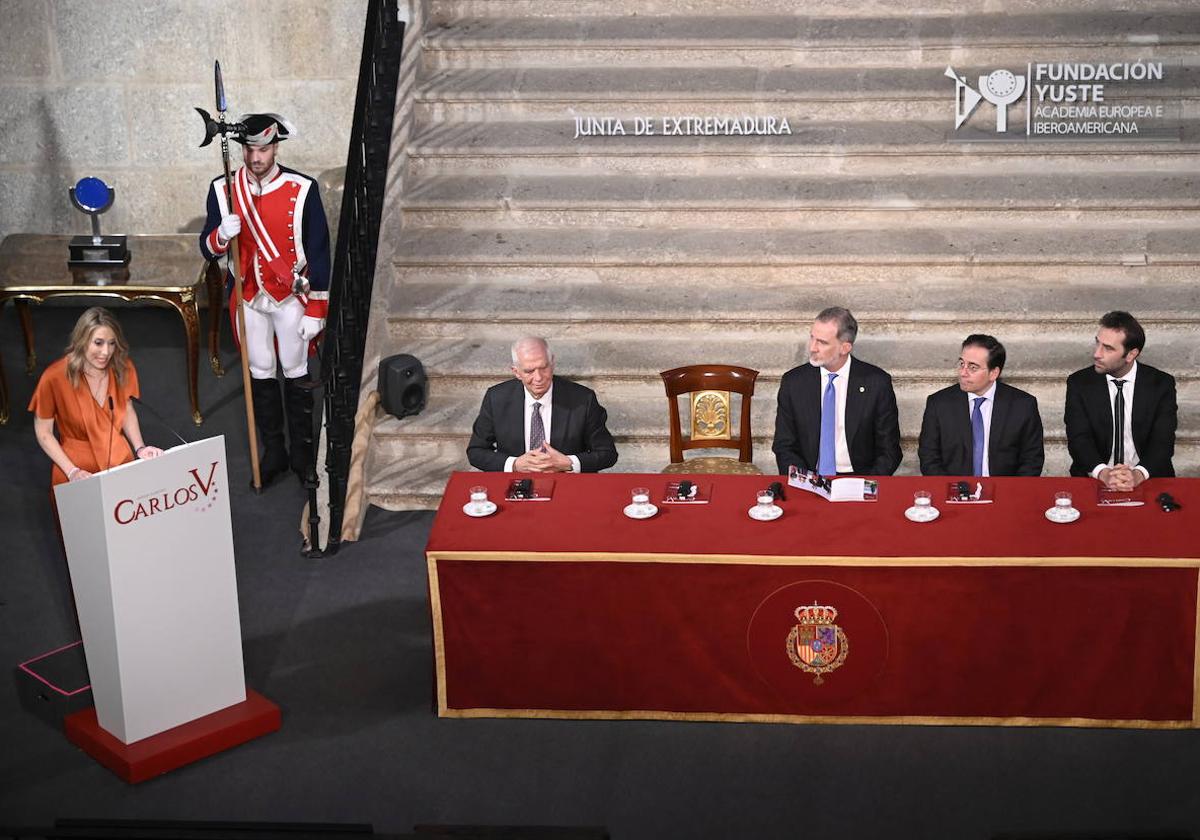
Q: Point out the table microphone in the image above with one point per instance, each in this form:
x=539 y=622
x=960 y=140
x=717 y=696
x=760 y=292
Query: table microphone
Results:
x=1168 y=503
x=159 y=418
x=776 y=489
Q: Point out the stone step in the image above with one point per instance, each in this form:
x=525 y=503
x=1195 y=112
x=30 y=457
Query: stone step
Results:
x=760 y=38
x=799 y=112
x=575 y=201
x=896 y=218
x=1090 y=245
x=884 y=147
x=436 y=309
x=931 y=59
x=815 y=29
x=1008 y=191
x=441 y=12
x=909 y=351
x=679 y=279
x=623 y=90
x=412 y=474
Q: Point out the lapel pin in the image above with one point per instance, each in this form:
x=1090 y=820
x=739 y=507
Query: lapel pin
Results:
x=862 y=389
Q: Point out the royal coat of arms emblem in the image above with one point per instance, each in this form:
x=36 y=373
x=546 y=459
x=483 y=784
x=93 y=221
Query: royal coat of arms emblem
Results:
x=816 y=645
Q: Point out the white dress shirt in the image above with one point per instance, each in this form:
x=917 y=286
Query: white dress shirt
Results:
x=1131 y=456
x=546 y=402
x=985 y=410
x=841 y=386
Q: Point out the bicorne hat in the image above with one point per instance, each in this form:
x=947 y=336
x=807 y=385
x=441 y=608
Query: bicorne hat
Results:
x=265 y=129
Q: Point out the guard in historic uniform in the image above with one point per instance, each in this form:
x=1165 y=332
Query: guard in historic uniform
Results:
x=283 y=248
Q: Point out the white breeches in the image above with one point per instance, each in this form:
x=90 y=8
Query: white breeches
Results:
x=279 y=326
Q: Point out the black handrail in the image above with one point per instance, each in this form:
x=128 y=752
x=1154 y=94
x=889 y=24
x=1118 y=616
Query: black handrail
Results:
x=354 y=258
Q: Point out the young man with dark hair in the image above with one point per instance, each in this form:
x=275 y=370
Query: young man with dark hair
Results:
x=1120 y=414
x=283 y=245
x=981 y=426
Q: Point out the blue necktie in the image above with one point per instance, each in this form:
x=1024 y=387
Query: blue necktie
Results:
x=977 y=436
x=828 y=461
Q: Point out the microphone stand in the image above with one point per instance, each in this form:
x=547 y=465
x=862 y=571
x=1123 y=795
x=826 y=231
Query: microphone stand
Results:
x=112 y=427
x=159 y=418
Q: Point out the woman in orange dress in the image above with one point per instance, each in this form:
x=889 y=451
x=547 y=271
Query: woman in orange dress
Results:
x=85 y=396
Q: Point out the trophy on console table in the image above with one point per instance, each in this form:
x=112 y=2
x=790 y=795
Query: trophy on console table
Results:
x=93 y=196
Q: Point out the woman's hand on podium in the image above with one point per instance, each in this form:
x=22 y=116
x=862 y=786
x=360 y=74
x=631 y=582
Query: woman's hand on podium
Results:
x=77 y=474
x=146 y=452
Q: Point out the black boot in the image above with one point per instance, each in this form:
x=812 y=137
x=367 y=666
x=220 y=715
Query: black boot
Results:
x=268 y=416
x=299 y=402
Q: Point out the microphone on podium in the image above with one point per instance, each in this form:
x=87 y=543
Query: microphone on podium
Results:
x=112 y=427
x=159 y=418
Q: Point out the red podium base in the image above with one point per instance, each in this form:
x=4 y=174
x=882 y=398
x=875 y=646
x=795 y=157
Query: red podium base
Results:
x=162 y=753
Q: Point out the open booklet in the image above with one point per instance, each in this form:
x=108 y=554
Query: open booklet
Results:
x=1119 y=498
x=968 y=493
x=834 y=489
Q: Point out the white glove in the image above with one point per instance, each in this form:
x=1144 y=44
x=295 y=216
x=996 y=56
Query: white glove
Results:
x=310 y=328
x=231 y=226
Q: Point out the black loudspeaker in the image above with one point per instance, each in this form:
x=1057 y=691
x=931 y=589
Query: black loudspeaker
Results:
x=403 y=389
x=55 y=684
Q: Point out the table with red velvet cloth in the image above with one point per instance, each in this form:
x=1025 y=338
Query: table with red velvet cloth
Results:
x=990 y=615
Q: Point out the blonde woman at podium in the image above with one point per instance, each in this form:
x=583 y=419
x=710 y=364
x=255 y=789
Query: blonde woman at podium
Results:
x=85 y=396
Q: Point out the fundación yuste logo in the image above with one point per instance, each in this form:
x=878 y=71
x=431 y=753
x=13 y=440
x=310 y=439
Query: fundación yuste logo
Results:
x=1066 y=99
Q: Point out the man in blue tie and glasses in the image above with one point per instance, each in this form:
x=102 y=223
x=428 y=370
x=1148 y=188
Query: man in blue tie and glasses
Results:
x=837 y=414
x=981 y=426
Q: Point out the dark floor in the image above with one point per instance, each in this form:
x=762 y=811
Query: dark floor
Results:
x=343 y=645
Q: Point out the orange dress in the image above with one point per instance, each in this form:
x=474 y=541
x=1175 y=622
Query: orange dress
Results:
x=89 y=434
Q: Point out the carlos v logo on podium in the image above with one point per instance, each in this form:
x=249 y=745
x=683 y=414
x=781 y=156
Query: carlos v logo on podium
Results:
x=198 y=492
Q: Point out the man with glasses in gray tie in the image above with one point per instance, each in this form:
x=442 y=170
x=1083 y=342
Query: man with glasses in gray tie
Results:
x=539 y=422
x=1121 y=414
x=981 y=426
x=837 y=414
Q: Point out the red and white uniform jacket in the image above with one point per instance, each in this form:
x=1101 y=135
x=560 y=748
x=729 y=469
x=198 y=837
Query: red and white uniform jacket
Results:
x=284 y=234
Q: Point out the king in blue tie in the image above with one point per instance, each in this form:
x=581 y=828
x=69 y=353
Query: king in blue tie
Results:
x=827 y=465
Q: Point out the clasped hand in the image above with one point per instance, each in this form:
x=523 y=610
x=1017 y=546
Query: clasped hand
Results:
x=1120 y=478
x=546 y=459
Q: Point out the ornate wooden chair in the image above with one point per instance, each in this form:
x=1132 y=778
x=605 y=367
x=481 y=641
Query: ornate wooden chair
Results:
x=709 y=390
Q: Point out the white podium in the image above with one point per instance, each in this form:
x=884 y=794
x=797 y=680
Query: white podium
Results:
x=150 y=549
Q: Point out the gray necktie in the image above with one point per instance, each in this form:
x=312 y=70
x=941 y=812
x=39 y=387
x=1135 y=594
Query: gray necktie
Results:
x=537 y=429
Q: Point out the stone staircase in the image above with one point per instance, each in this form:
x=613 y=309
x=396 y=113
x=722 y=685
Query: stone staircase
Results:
x=637 y=254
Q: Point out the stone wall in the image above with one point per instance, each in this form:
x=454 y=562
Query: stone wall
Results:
x=108 y=90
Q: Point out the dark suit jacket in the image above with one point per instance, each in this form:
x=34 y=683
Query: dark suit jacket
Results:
x=577 y=426
x=872 y=421
x=1014 y=445
x=1089 y=420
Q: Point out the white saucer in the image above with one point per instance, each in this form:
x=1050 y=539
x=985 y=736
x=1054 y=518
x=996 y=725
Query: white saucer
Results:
x=772 y=513
x=640 y=511
x=916 y=514
x=479 y=509
x=1062 y=515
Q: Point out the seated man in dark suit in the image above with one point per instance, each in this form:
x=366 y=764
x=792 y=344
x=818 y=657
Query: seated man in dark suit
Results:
x=836 y=414
x=539 y=422
x=1120 y=414
x=981 y=426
